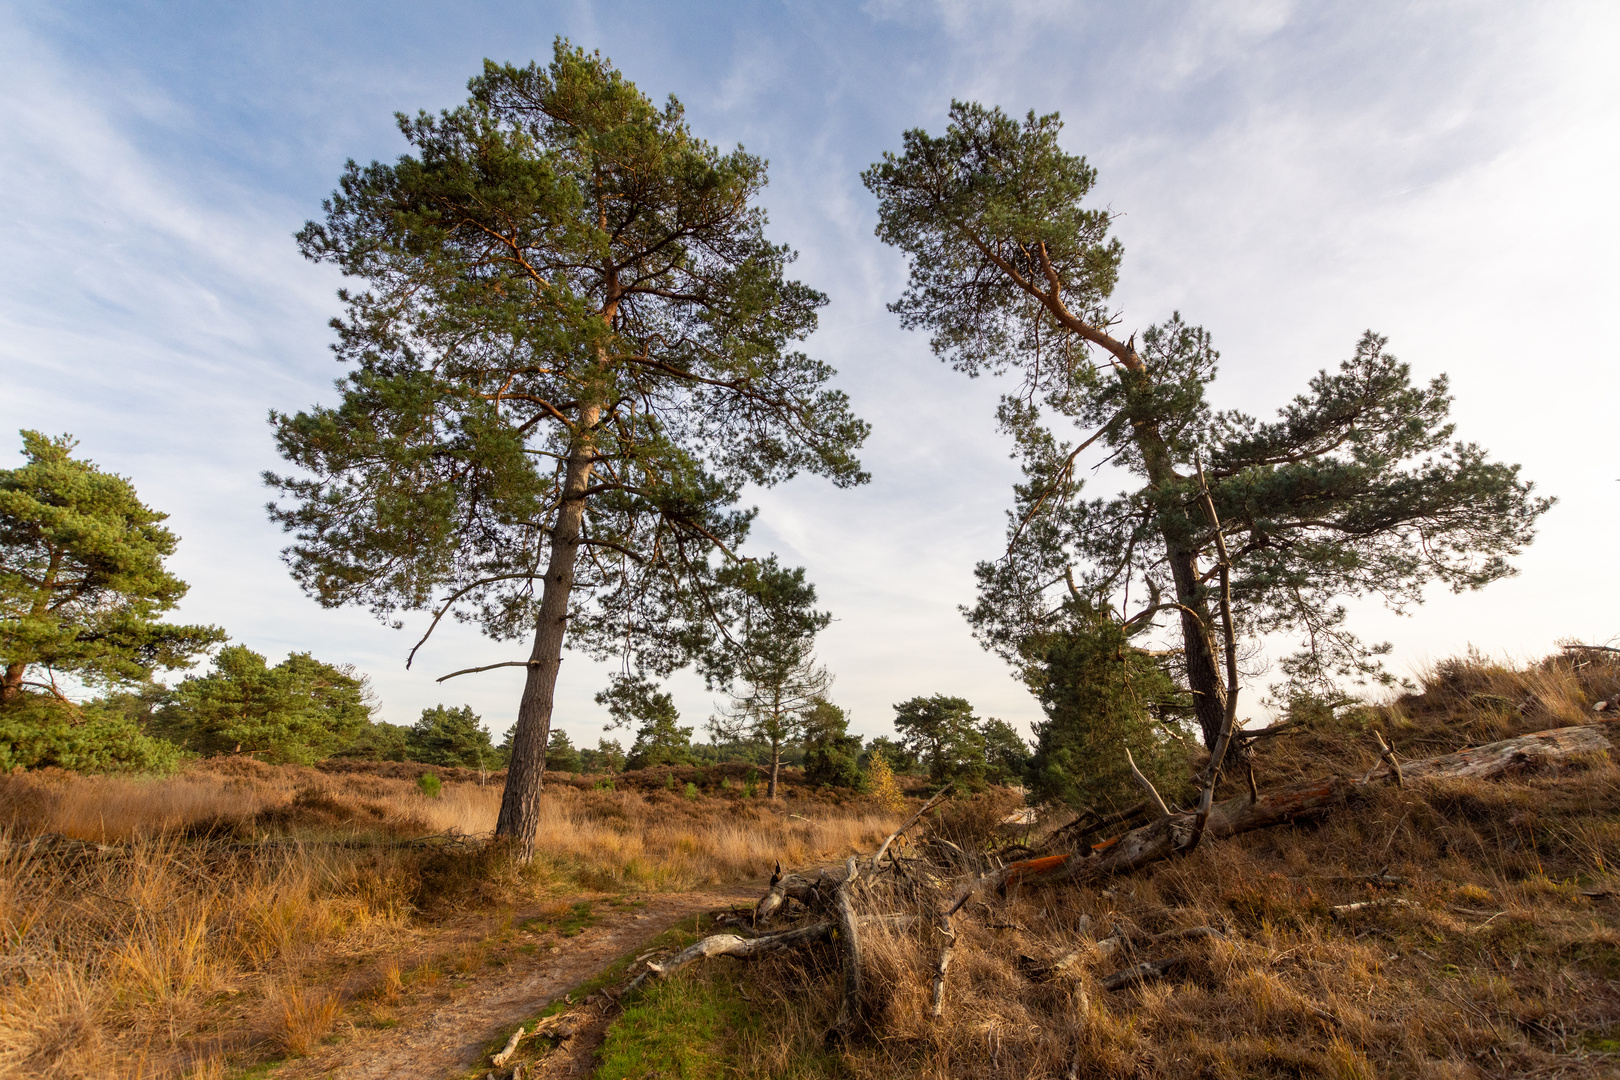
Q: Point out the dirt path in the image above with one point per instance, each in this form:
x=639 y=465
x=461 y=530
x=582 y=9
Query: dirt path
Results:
x=445 y=1031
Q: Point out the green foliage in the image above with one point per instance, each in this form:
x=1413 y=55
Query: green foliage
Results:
x=558 y=270
x=82 y=580
x=608 y=757
x=767 y=660
x=300 y=711
x=1356 y=489
x=560 y=753
x=105 y=735
x=831 y=754
x=379 y=741
x=455 y=737
x=942 y=733
x=635 y=701
x=429 y=784
x=1006 y=754
x=899 y=759
x=691 y=791
x=1102 y=696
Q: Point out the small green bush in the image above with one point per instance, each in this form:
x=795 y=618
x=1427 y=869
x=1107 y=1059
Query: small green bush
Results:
x=428 y=784
x=691 y=791
x=669 y=782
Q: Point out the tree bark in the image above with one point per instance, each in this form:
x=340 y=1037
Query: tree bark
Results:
x=525 y=773
x=776 y=767
x=852 y=1009
x=11 y=684
x=11 y=688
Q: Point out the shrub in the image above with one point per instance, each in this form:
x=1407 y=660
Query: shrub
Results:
x=428 y=784
x=881 y=784
x=1099 y=694
x=691 y=790
x=38 y=731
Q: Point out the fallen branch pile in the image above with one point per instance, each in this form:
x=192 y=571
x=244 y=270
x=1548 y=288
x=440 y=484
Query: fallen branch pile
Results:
x=925 y=890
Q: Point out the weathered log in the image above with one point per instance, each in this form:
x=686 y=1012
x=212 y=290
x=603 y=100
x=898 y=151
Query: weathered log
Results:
x=733 y=945
x=1341 y=910
x=505 y=1055
x=785 y=887
x=851 y=1010
x=1102 y=950
x=1137 y=974
x=1164 y=837
x=947 y=949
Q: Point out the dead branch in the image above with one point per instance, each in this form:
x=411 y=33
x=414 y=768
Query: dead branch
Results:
x=1153 y=797
x=850 y=1010
x=912 y=820
x=1163 y=838
x=946 y=950
x=1388 y=754
x=734 y=945
x=1137 y=974
x=505 y=1055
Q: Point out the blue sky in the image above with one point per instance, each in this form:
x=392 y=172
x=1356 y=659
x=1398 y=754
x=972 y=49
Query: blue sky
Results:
x=1288 y=175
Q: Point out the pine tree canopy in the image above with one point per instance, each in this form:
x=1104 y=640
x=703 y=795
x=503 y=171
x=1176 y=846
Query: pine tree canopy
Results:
x=451 y=736
x=82 y=580
x=299 y=711
x=570 y=347
x=559 y=270
x=1358 y=488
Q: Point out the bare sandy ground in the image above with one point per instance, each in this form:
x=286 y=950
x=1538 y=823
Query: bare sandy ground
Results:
x=447 y=1032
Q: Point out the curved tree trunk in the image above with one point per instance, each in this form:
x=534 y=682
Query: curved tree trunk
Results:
x=1180 y=551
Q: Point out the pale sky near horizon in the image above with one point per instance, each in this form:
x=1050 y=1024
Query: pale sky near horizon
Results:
x=1288 y=175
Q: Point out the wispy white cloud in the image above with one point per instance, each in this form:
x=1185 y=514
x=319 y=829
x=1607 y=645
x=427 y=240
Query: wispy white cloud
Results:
x=1289 y=174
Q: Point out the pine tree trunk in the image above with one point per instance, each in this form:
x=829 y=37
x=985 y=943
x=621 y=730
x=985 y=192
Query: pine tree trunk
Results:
x=11 y=687
x=525 y=774
x=776 y=767
x=1197 y=627
x=1203 y=671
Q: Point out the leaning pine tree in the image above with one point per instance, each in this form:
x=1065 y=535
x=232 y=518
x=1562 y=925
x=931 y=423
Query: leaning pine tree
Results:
x=571 y=351
x=1356 y=489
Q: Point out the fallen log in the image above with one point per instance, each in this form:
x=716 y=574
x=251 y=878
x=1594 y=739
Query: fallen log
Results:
x=785 y=887
x=1101 y=950
x=733 y=945
x=1164 y=837
x=1137 y=974
x=851 y=1010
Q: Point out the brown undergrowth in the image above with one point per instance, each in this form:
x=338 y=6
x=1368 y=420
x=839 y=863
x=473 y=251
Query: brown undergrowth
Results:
x=1489 y=946
x=163 y=927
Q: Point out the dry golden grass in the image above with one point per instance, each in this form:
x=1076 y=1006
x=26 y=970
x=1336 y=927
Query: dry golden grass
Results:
x=196 y=932
x=1506 y=962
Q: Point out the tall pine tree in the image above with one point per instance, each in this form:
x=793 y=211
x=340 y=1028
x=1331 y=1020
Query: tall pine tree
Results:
x=1358 y=488
x=571 y=348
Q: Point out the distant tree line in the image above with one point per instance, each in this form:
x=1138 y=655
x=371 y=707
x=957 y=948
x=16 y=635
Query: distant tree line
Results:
x=84 y=587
